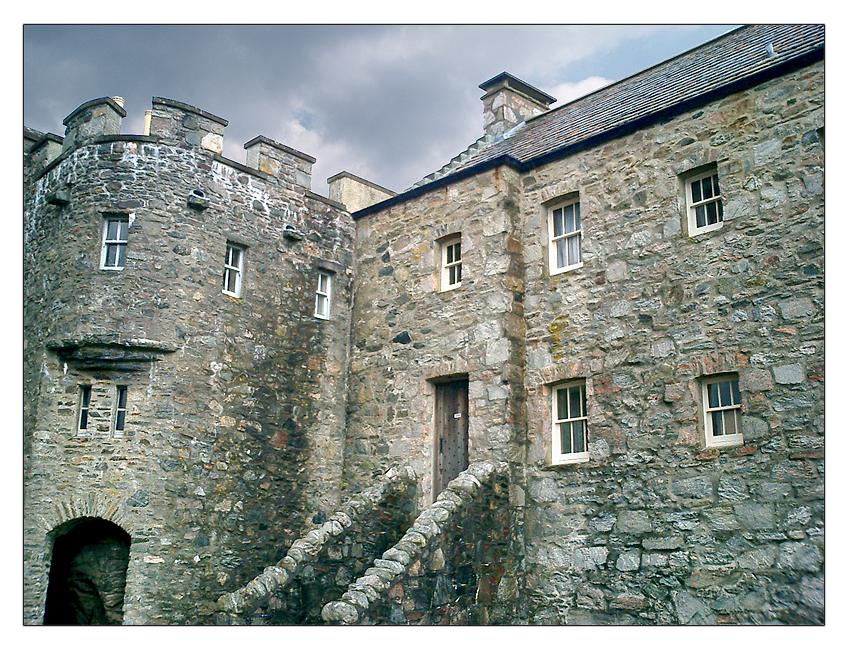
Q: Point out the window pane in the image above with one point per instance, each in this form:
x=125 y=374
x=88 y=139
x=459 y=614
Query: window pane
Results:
x=86 y=396
x=561 y=253
x=576 y=407
x=321 y=305
x=713 y=395
x=459 y=268
x=700 y=216
x=578 y=437
x=457 y=252
x=558 y=222
x=111 y=254
x=237 y=258
x=562 y=403
x=569 y=211
x=577 y=216
x=230 y=277
x=111 y=229
x=719 y=207
x=322 y=283
x=707 y=191
x=84 y=419
x=715 y=179
x=716 y=420
x=735 y=391
x=122 y=397
x=122 y=230
x=449 y=254
x=122 y=254
x=574 y=249
x=119 y=420
x=452 y=275
x=711 y=213
x=725 y=393
x=697 y=191
x=565 y=438
x=729 y=419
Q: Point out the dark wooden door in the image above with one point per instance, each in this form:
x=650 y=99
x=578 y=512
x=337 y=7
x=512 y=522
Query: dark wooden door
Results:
x=452 y=432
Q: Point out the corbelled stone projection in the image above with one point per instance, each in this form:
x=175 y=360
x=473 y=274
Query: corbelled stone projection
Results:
x=574 y=376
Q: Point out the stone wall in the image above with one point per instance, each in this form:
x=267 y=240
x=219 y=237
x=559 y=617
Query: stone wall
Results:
x=319 y=566
x=447 y=567
x=235 y=424
x=656 y=528
x=406 y=333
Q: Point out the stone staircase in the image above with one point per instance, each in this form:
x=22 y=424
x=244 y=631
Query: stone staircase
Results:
x=446 y=568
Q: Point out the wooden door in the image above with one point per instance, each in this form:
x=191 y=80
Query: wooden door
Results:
x=452 y=432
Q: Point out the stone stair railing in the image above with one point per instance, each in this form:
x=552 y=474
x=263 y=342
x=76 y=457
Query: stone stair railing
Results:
x=447 y=566
x=319 y=565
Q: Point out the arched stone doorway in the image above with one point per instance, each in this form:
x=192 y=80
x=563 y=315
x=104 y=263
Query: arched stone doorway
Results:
x=88 y=573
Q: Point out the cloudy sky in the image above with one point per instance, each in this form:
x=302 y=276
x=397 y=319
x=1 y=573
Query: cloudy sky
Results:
x=389 y=103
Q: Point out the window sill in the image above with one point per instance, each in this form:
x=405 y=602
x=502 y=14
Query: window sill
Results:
x=571 y=459
x=705 y=230
x=320 y=317
x=111 y=268
x=725 y=441
x=453 y=287
x=232 y=295
x=565 y=269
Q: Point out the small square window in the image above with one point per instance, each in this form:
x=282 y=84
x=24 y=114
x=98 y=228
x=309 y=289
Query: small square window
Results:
x=234 y=260
x=704 y=202
x=83 y=411
x=451 y=273
x=721 y=405
x=120 y=419
x=569 y=435
x=113 y=253
x=322 y=295
x=565 y=232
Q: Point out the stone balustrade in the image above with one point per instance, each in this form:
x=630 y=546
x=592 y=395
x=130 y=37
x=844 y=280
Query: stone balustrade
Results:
x=447 y=566
x=319 y=565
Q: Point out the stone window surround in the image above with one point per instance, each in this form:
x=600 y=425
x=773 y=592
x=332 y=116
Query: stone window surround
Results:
x=328 y=276
x=697 y=174
x=240 y=278
x=439 y=234
x=562 y=201
x=557 y=457
x=710 y=441
x=105 y=215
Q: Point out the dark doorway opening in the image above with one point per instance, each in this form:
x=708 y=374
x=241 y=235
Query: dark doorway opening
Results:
x=452 y=432
x=88 y=574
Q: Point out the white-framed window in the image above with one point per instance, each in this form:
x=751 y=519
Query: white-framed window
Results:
x=564 y=237
x=113 y=253
x=322 y=294
x=120 y=419
x=704 y=202
x=569 y=436
x=234 y=263
x=451 y=274
x=721 y=405
x=83 y=411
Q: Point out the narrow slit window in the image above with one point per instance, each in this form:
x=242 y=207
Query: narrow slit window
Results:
x=722 y=406
x=113 y=254
x=120 y=409
x=322 y=295
x=85 y=405
x=704 y=202
x=565 y=234
x=234 y=259
x=452 y=263
x=570 y=436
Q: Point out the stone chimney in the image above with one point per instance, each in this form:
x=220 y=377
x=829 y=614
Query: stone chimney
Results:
x=509 y=101
x=356 y=193
x=100 y=116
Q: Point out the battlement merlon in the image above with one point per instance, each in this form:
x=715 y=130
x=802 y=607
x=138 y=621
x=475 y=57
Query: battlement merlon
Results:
x=176 y=122
x=101 y=116
x=276 y=159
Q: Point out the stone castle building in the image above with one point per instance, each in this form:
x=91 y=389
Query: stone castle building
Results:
x=574 y=376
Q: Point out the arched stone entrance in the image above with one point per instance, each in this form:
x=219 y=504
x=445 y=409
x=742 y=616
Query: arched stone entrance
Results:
x=88 y=573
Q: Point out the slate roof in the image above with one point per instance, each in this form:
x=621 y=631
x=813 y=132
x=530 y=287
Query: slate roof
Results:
x=730 y=58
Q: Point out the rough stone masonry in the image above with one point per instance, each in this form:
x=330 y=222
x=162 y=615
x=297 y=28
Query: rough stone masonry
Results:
x=223 y=422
